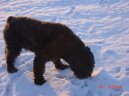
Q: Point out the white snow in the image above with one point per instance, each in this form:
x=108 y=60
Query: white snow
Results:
x=101 y=24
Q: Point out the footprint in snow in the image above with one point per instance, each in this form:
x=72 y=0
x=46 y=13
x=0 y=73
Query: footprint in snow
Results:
x=127 y=73
x=127 y=69
x=89 y=93
x=115 y=92
x=110 y=55
x=127 y=51
x=116 y=70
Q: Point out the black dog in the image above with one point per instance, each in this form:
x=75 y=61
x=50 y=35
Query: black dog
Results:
x=49 y=41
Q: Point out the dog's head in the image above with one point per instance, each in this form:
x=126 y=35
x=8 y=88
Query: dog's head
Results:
x=83 y=63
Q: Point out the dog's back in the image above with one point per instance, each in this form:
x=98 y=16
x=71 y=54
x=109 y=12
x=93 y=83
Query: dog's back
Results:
x=33 y=34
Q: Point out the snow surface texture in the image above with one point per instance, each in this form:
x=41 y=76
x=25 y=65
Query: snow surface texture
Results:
x=101 y=24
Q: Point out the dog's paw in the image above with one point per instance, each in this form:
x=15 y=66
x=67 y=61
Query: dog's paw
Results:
x=12 y=70
x=39 y=81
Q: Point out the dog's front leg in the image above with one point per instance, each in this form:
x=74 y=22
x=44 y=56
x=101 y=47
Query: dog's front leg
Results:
x=39 y=69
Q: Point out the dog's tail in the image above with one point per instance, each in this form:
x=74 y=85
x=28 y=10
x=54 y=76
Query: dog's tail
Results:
x=10 y=19
x=6 y=31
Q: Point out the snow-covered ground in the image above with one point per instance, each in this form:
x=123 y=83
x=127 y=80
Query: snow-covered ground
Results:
x=101 y=24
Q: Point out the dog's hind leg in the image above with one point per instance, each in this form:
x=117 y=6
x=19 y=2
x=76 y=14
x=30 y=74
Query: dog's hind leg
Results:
x=11 y=54
x=12 y=48
x=59 y=65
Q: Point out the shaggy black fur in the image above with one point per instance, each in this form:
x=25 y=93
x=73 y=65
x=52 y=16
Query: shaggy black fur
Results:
x=49 y=41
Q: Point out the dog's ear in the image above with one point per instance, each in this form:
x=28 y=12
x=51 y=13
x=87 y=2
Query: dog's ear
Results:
x=87 y=48
x=90 y=54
